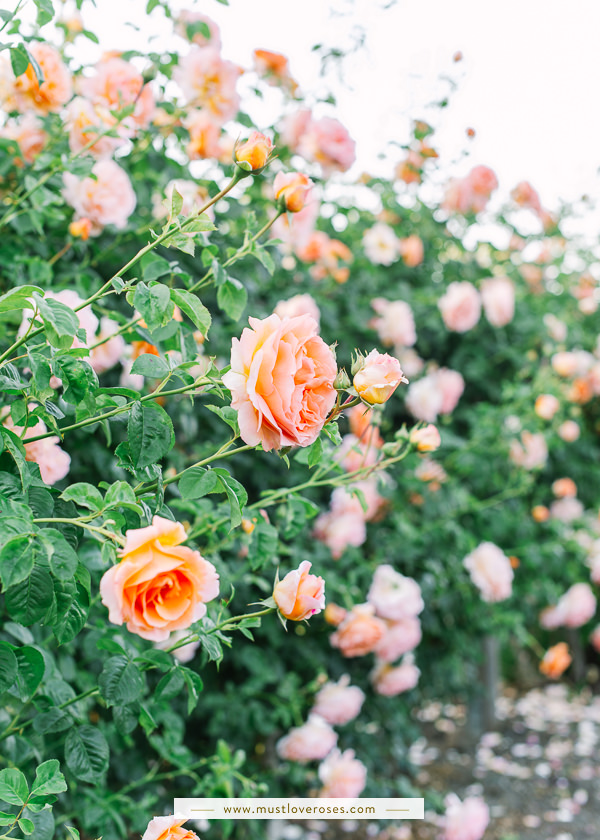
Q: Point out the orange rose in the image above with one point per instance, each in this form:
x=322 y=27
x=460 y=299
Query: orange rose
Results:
x=556 y=661
x=168 y=828
x=291 y=190
x=426 y=439
x=159 y=585
x=359 y=633
x=255 y=151
x=300 y=595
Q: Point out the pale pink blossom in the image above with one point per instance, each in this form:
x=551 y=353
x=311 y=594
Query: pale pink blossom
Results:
x=378 y=377
x=106 y=199
x=296 y=231
x=557 y=329
x=293 y=127
x=466 y=820
x=205 y=134
x=426 y=439
x=525 y=196
x=381 y=244
x=471 y=193
x=410 y=361
x=209 y=81
x=498 y=297
x=460 y=306
x=328 y=143
x=567 y=509
x=54 y=462
x=56 y=88
x=546 y=406
x=411 y=250
x=391 y=680
x=424 y=399
x=338 y=703
x=430 y=470
x=393 y=595
x=359 y=632
x=395 y=324
x=298 y=305
x=183 y=654
x=400 y=637
x=530 y=452
x=310 y=742
x=574 y=609
x=355 y=454
x=339 y=529
x=112 y=351
x=117 y=84
x=84 y=121
x=570 y=363
x=343 y=776
x=29 y=135
x=490 y=571
x=569 y=431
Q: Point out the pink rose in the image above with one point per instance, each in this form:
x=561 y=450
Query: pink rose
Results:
x=460 y=306
x=567 y=509
x=569 y=431
x=393 y=595
x=574 y=609
x=595 y=638
x=530 y=452
x=490 y=571
x=424 y=399
x=292 y=190
x=359 y=632
x=310 y=742
x=159 y=585
x=298 y=305
x=281 y=381
x=426 y=439
x=117 y=84
x=339 y=529
x=378 y=378
x=343 y=775
x=392 y=680
x=327 y=142
x=451 y=385
x=465 y=820
x=28 y=133
x=546 y=406
x=400 y=637
x=168 y=828
x=294 y=127
x=338 y=703
x=498 y=296
x=525 y=196
x=208 y=81
x=354 y=454
x=107 y=199
x=107 y=355
x=411 y=250
x=395 y=324
x=300 y=594
x=56 y=88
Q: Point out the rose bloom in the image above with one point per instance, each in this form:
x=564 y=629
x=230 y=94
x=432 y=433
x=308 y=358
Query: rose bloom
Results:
x=460 y=306
x=54 y=463
x=426 y=439
x=281 y=381
x=107 y=355
x=168 y=828
x=564 y=487
x=159 y=585
x=567 y=509
x=310 y=742
x=572 y=363
x=205 y=134
x=255 y=151
x=381 y=244
x=569 y=431
x=359 y=632
x=341 y=528
x=400 y=637
x=56 y=89
x=540 y=513
x=107 y=199
x=411 y=250
x=292 y=189
x=327 y=142
x=298 y=305
x=296 y=231
x=390 y=680
x=424 y=399
x=378 y=378
x=294 y=127
x=530 y=452
x=556 y=661
x=300 y=594
x=525 y=196
x=338 y=703
x=186 y=25
x=29 y=135
x=343 y=775
x=498 y=297
x=208 y=81
x=557 y=329
x=354 y=454
x=430 y=470
x=466 y=820
x=395 y=324
x=274 y=67
x=334 y=614
x=490 y=571
x=471 y=193
x=546 y=406
x=393 y=595
x=85 y=121
x=117 y=84
x=574 y=609
x=409 y=169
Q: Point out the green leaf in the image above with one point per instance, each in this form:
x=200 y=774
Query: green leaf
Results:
x=119 y=493
x=19 y=59
x=78 y=378
x=198 y=224
x=197 y=482
x=74 y=834
x=45 y=12
x=316 y=453
x=48 y=779
x=264 y=545
x=86 y=753
x=232 y=298
x=17 y=558
x=54 y=720
x=150 y=433
x=154 y=267
x=191 y=306
x=228 y=415
x=15 y=446
x=19 y=298
x=60 y=322
x=28 y=601
x=72 y=613
x=84 y=495
x=121 y=681
x=151 y=366
x=31 y=669
x=62 y=557
x=170 y=685
x=26 y=826
x=236 y=495
x=153 y=302
x=13 y=786
x=194 y=685
x=211 y=645
x=8 y=667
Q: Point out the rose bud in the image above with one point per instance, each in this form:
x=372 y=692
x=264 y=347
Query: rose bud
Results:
x=426 y=439
x=556 y=661
x=255 y=152
x=300 y=595
x=378 y=378
x=291 y=190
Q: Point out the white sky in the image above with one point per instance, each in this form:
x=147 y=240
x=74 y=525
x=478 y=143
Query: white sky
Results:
x=528 y=83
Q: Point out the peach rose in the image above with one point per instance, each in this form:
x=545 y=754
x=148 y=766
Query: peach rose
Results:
x=556 y=661
x=298 y=305
x=395 y=324
x=525 y=196
x=381 y=244
x=334 y=614
x=400 y=637
x=309 y=742
x=490 y=571
x=574 y=609
x=291 y=190
x=54 y=462
x=107 y=199
x=168 y=828
x=281 y=381
x=159 y=585
x=569 y=431
x=390 y=680
x=546 y=406
x=85 y=121
x=208 y=81
x=498 y=297
x=56 y=89
x=466 y=820
x=563 y=487
x=394 y=595
x=117 y=84
x=327 y=142
x=274 y=67
x=300 y=595
x=205 y=133
x=411 y=250
x=426 y=439
x=255 y=151
x=111 y=351
x=359 y=632
x=378 y=378
x=338 y=703
x=530 y=452
x=343 y=775
x=28 y=133
x=460 y=306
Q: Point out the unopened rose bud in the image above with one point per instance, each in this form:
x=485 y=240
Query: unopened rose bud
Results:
x=291 y=190
x=426 y=439
x=556 y=661
x=341 y=381
x=81 y=229
x=248 y=525
x=255 y=152
x=379 y=377
x=540 y=513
